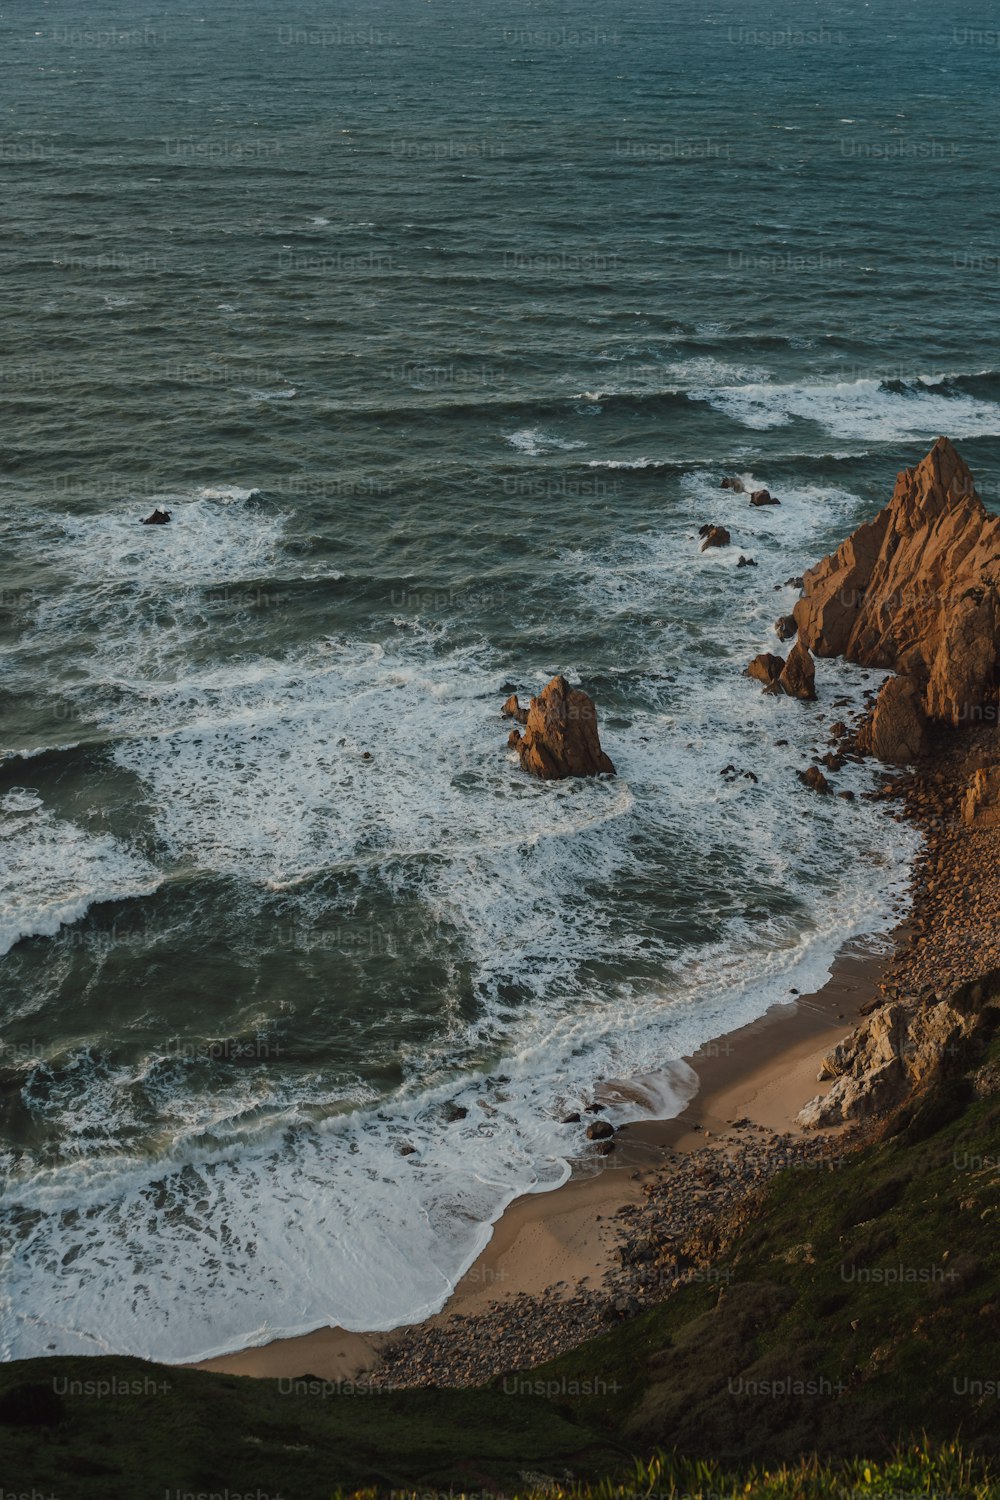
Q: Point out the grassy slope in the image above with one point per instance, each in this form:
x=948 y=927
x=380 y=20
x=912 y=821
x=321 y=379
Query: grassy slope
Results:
x=890 y=1358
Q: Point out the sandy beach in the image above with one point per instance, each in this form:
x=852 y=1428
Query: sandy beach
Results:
x=551 y=1246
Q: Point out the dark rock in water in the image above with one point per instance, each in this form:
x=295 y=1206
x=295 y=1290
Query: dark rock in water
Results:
x=158 y=518
x=573 y=1119
x=714 y=536
x=838 y=729
x=604 y=1148
x=798 y=679
x=407 y=1150
x=560 y=737
x=746 y=562
x=846 y=796
x=513 y=739
x=595 y=1109
x=455 y=1112
x=734 y=483
x=786 y=628
x=766 y=668
x=513 y=710
x=815 y=780
x=832 y=761
x=763 y=497
x=601 y=1130
x=793 y=583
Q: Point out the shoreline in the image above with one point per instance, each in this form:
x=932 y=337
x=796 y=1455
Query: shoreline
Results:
x=563 y=1242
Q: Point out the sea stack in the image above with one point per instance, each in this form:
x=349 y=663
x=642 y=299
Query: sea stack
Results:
x=917 y=590
x=560 y=734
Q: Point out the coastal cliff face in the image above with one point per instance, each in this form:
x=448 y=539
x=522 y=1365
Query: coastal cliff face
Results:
x=917 y=590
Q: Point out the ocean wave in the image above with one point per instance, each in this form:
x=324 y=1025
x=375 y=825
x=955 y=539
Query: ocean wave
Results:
x=870 y=410
x=52 y=871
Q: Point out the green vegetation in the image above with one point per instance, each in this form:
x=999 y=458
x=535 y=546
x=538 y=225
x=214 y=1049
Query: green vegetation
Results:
x=858 y=1310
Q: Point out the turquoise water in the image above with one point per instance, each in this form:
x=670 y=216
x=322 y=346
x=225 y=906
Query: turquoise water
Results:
x=435 y=330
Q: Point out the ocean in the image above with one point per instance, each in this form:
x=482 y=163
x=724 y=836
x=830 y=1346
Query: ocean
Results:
x=435 y=328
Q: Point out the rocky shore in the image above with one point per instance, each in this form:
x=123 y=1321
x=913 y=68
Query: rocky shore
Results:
x=914 y=591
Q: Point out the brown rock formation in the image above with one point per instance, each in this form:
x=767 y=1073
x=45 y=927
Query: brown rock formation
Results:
x=734 y=483
x=916 y=590
x=714 y=536
x=560 y=737
x=513 y=710
x=896 y=730
x=897 y=1049
x=981 y=803
x=799 y=676
x=815 y=780
x=766 y=668
x=763 y=497
x=786 y=628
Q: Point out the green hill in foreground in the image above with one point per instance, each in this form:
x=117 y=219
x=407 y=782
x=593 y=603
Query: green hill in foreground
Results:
x=857 y=1311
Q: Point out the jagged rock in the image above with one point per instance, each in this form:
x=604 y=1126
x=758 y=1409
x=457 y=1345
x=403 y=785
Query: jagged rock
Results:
x=916 y=590
x=513 y=710
x=798 y=679
x=766 y=668
x=734 y=483
x=714 y=536
x=763 y=497
x=746 y=562
x=895 y=730
x=785 y=627
x=157 y=518
x=981 y=803
x=560 y=737
x=838 y=729
x=896 y=1049
x=815 y=780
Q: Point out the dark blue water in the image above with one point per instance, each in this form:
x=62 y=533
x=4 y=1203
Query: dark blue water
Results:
x=435 y=329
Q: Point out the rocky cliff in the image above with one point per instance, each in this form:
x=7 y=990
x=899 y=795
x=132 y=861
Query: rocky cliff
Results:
x=917 y=590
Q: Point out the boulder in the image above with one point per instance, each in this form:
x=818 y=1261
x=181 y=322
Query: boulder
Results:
x=815 y=780
x=513 y=710
x=763 y=497
x=734 y=483
x=158 y=518
x=895 y=731
x=560 y=737
x=981 y=803
x=601 y=1130
x=714 y=536
x=746 y=562
x=766 y=668
x=786 y=628
x=798 y=679
x=917 y=591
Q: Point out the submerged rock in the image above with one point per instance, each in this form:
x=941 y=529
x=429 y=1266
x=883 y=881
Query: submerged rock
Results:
x=763 y=497
x=714 y=536
x=158 y=518
x=560 y=737
x=734 y=483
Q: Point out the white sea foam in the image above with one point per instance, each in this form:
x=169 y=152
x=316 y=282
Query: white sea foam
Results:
x=532 y=441
x=52 y=871
x=868 y=410
x=275 y=1213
